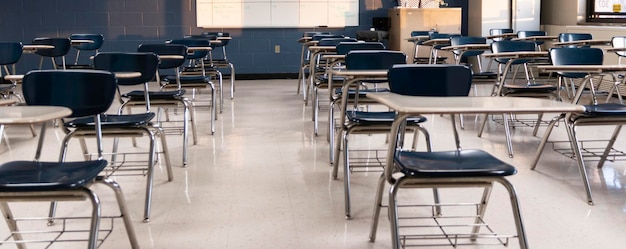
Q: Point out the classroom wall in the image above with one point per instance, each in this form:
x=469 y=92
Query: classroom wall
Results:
x=127 y=23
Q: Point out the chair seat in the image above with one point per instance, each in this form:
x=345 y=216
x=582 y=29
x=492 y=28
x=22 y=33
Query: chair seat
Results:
x=112 y=121
x=138 y=95
x=19 y=176
x=605 y=109
x=375 y=118
x=464 y=163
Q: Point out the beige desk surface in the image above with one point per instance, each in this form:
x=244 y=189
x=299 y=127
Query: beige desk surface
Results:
x=610 y=50
x=199 y=48
x=31 y=48
x=433 y=42
x=455 y=105
x=360 y=73
x=31 y=114
x=81 y=41
x=322 y=48
x=583 y=68
x=583 y=42
x=466 y=47
x=536 y=38
x=171 y=57
x=418 y=38
x=505 y=35
x=126 y=75
x=121 y=75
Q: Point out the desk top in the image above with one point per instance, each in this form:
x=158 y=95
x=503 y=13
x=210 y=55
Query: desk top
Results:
x=322 y=48
x=171 y=57
x=31 y=114
x=505 y=35
x=583 y=42
x=466 y=47
x=454 y=105
x=121 y=75
x=520 y=54
x=536 y=38
x=433 y=42
x=194 y=48
x=81 y=41
x=583 y=68
x=31 y=48
x=126 y=75
x=360 y=73
x=616 y=49
x=418 y=38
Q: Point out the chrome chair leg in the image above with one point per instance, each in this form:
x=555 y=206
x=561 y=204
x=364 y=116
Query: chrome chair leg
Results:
x=377 y=206
x=571 y=132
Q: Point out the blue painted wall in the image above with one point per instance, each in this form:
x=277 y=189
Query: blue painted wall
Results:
x=127 y=23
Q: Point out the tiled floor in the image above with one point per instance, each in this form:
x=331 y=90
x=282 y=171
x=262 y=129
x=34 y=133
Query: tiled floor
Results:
x=263 y=181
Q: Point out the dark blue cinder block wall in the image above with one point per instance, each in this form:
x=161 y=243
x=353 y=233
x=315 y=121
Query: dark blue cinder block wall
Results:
x=127 y=23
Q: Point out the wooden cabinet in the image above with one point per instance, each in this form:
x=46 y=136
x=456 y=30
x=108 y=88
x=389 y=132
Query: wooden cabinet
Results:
x=405 y=20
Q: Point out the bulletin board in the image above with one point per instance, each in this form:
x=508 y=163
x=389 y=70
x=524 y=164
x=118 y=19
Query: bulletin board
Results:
x=276 y=13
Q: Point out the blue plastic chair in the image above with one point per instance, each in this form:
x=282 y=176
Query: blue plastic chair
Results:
x=87 y=93
x=97 y=40
x=433 y=169
x=418 y=43
x=604 y=114
x=10 y=53
x=434 y=57
x=500 y=31
x=531 y=33
x=583 y=56
x=357 y=121
x=133 y=125
x=61 y=48
x=343 y=48
x=566 y=37
x=223 y=61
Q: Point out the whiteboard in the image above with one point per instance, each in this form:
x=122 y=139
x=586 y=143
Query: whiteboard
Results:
x=276 y=13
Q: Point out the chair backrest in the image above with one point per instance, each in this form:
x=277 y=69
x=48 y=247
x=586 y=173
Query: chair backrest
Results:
x=619 y=42
x=499 y=32
x=195 y=54
x=345 y=47
x=10 y=53
x=312 y=33
x=530 y=33
x=374 y=59
x=576 y=56
x=566 y=37
x=144 y=63
x=217 y=35
x=97 y=41
x=201 y=37
x=420 y=32
x=85 y=92
x=166 y=49
x=61 y=46
x=512 y=46
x=322 y=36
x=462 y=40
x=430 y=79
x=437 y=35
x=334 y=41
